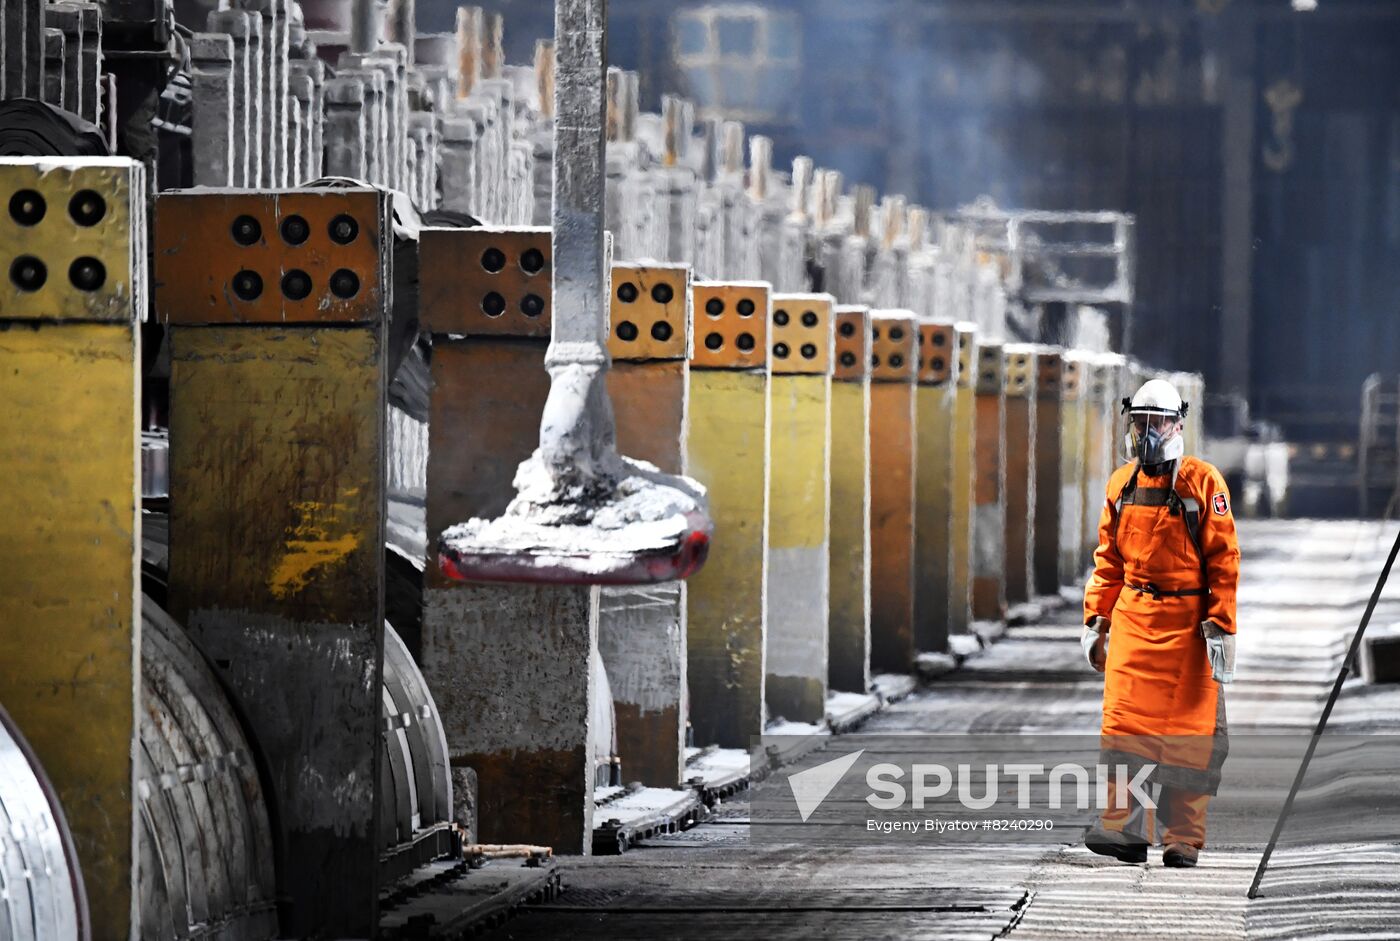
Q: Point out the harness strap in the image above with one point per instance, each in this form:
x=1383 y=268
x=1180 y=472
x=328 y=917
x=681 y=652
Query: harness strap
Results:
x=1190 y=510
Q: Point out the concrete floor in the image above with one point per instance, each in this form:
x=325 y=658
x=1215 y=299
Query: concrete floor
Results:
x=1303 y=587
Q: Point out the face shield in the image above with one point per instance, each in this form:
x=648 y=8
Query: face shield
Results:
x=1153 y=436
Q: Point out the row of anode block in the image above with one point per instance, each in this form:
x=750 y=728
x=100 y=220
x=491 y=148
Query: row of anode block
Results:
x=809 y=424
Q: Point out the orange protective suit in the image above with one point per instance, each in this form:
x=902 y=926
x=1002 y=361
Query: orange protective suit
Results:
x=1155 y=584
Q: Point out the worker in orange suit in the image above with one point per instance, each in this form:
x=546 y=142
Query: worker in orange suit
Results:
x=1160 y=624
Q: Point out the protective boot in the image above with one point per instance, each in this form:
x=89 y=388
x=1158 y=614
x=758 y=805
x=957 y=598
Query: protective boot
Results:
x=1180 y=856
x=1120 y=846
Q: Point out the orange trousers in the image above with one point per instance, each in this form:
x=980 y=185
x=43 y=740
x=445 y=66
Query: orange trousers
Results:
x=1181 y=813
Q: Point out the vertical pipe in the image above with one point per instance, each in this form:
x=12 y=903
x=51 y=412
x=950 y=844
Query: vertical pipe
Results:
x=364 y=26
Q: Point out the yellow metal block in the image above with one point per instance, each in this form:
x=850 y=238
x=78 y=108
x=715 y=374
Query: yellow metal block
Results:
x=727 y=449
x=1020 y=446
x=72 y=259
x=1101 y=443
x=1073 y=406
x=649 y=312
x=798 y=526
x=963 y=455
x=69 y=556
x=849 y=578
x=277 y=452
x=989 y=515
x=801 y=336
x=69 y=252
x=892 y=482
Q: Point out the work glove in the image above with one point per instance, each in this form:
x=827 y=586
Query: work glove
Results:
x=1095 y=642
x=1220 y=650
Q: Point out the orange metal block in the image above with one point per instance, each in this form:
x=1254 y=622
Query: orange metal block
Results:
x=731 y=324
x=801 y=335
x=1048 y=460
x=894 y=344
x=936 y=361
x=649 y=310
x=892 y=477
x=485 y=282
x=852 y=353
x=294 y=256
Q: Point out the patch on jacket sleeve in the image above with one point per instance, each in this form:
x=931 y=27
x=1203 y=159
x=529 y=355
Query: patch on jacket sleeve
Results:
x=1220 y=503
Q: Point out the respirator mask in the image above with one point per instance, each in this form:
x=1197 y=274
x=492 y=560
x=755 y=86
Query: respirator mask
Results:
x=1153 y=438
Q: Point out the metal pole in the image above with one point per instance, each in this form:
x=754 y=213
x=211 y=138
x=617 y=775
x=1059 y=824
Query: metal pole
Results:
x=576 y=432
x=364 y=26
x=1322 y=722
x=403 y=28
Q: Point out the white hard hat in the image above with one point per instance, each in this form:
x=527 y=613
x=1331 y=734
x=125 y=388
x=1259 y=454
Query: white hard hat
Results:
x=1158 y=396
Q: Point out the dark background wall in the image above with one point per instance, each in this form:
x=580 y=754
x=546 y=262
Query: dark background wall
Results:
x=1258 y=146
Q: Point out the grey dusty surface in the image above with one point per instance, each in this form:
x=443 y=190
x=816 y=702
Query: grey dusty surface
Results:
x=1303 y=587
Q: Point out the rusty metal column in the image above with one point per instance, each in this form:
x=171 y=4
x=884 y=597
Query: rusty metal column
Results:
x=1021 y=446
x=1049 y=469
x=893 y=367
x=1073 y=407
x=500 y=658
x=933 y=521
x=848 y=630
x=74 y=287
x=277 y=304
x=727 y=450
x=799 y=506
x=964 y=481
x=989 y=497
x=642 y=629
